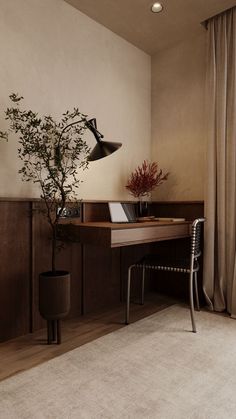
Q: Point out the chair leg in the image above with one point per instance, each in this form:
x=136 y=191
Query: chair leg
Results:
x=191 y=301
x=128 y=295
x=143 y=284
x=196 y=291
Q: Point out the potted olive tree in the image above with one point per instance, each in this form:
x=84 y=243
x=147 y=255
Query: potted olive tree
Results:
x=51 y=153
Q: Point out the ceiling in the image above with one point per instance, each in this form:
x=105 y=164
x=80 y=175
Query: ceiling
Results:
x=151 y=32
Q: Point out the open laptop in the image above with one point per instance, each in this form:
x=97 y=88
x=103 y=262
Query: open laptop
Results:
x=122 y=213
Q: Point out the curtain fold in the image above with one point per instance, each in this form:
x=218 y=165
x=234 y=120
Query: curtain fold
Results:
x=219 y=280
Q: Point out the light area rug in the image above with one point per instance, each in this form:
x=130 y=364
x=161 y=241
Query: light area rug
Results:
x=154 y=368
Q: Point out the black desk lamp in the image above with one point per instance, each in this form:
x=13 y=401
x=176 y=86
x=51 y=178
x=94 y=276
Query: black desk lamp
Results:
x=102 y=148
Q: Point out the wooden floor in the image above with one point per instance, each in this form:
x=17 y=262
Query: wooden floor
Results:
x=25 y=352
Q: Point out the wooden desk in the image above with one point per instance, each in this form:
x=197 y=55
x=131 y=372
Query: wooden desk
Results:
x=108 y=249
x=113 y=235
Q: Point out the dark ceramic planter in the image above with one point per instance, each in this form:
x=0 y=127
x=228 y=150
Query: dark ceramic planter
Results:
x=54 y=300
x=54 y=294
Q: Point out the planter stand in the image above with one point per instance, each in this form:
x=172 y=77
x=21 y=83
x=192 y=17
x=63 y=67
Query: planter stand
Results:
x=54 y=331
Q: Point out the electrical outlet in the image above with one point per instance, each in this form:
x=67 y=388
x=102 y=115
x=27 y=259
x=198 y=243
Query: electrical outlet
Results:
x=70 y=212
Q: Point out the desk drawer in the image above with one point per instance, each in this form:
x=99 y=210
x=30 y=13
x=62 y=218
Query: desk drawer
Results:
x=128 y=237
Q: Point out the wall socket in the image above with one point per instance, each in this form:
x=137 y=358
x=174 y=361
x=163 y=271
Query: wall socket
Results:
x=70 y=212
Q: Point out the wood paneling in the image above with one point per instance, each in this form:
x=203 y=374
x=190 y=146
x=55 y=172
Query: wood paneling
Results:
x=15 y=250
x=101 y=277
x=95 y=211
x=189 y=210
x=41 y=258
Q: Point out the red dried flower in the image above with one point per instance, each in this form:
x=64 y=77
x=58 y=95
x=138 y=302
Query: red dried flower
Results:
x=145 y=178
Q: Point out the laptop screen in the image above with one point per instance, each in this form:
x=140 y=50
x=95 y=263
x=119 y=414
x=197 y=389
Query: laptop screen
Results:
x=121 y=213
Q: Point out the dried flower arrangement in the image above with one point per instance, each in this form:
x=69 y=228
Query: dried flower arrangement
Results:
x=145 y=178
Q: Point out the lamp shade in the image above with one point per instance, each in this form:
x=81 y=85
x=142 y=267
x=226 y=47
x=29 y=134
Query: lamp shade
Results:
x=103 y=149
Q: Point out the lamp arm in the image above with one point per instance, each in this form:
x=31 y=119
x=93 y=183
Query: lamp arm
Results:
x=89 y=125
x=70 y=125
x=57 y=155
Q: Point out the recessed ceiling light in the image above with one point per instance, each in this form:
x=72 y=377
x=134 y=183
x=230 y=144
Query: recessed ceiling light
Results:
x=156 y=7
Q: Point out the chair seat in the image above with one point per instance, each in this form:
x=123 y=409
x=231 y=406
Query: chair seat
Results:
x=167 y=263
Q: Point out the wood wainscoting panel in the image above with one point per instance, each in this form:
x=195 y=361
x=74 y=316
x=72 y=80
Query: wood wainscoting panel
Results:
x=101 y=277
x=41 y=258
x=95 y=211
x=15 y=233
x=178 y=209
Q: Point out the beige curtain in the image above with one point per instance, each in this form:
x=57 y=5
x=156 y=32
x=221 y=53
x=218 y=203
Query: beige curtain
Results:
x=219 y=281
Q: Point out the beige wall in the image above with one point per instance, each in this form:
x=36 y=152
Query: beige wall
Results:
x=58 y=58
x=178 y=134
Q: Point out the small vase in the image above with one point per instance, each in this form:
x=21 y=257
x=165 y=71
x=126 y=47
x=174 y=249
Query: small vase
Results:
x=142 y=208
